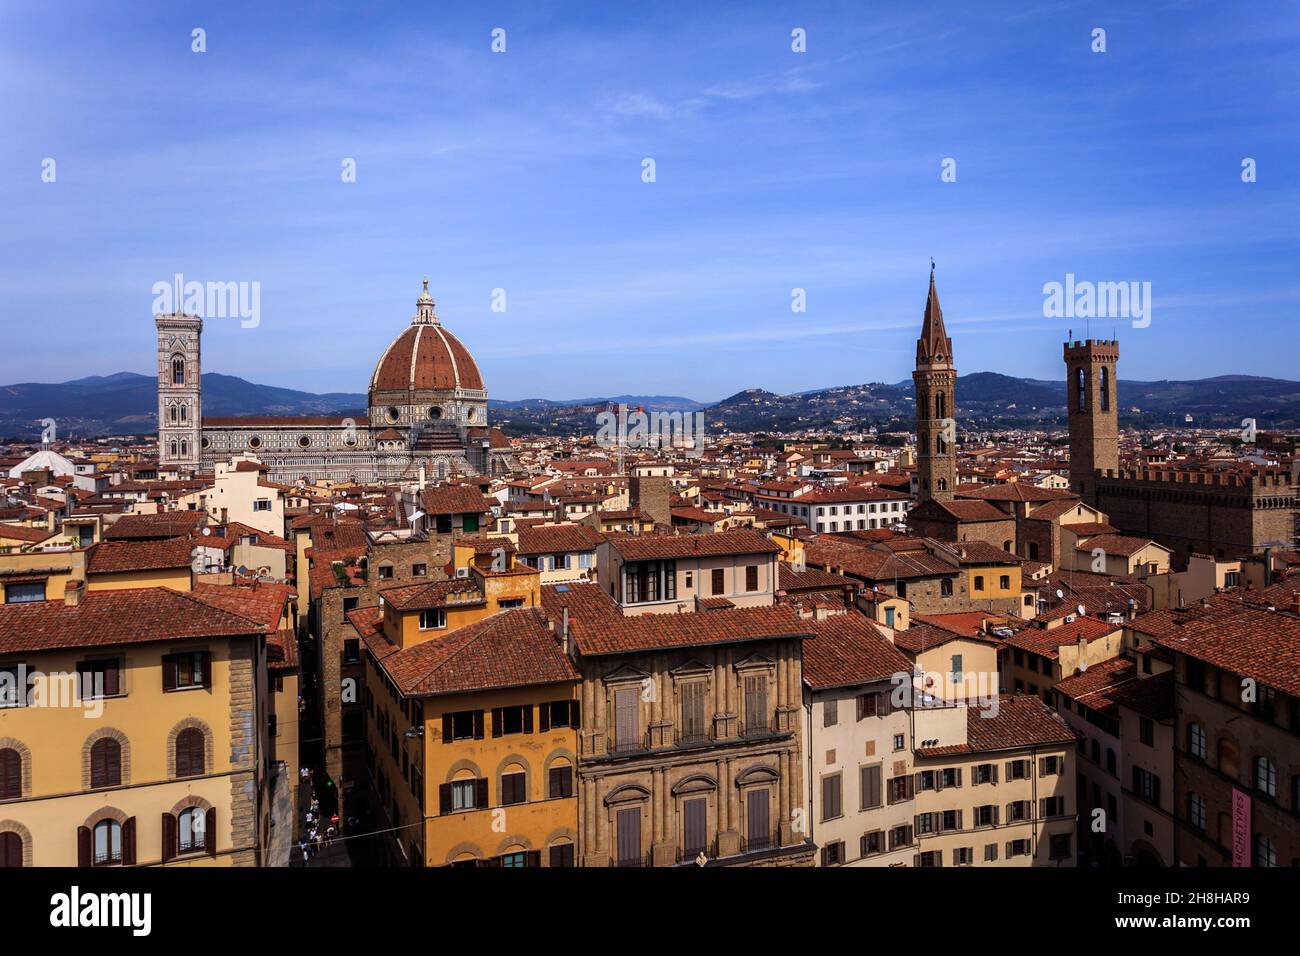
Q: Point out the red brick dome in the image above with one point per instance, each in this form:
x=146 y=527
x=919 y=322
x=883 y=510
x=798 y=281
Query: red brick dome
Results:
x=425 y=356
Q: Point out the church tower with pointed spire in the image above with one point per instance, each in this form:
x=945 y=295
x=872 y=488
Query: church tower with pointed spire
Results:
x=935 y=379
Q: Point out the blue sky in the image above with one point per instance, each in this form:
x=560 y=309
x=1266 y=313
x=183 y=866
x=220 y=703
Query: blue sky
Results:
x=775 y=170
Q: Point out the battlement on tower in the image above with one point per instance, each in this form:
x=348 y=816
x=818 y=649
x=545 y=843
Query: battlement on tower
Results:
x=1262 y=479
x=1094 y=348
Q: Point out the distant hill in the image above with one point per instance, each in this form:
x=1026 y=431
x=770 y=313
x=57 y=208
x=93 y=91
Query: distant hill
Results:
x=124 y=403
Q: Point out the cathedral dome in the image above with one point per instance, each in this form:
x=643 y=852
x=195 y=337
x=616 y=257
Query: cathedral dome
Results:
x=425 y=357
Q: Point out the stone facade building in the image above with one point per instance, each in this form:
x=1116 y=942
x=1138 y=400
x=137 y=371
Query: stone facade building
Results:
x=427 y=411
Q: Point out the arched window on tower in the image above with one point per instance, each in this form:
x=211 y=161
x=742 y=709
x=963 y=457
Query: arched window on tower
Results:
x=1105 y=389
x=178 y=370
x=940 y=446
x=1080 y=390
x=173 y=448
x=943 y=484
x=184 y=413
x=940 y=406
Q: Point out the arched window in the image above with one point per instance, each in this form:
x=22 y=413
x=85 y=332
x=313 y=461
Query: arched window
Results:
x=189 y=752
x=1080 y=390
x=174 y=448
x=11 y=849
x=11 y=774
x=1033 y=550
x=945 y=587
x=183 y=413
x=106 y=763
x=1265 y=776
x=940 y=406
x=178 y=370
x=173 y=415
x=192 y=830
x=943 y=484
x=108 y=842
x=1105 y=389
x=940 y=446
x=185 y=447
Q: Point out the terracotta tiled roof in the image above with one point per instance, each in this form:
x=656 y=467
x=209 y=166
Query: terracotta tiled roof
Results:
x=849 y=649
x=509 y=649
x=667 y=546
x=420 y=597
x=554 y=539
x=282 y=651
x=455 y=499
x=1118 y=544
x=1021 y=721
x=165 y=524
x=1048 y=641
x=1242 y=639
x=971 y=510
x=652 y=631
x=125 y=616
x=15 y=532
x=109 y=557
x=810 y=579
x=262 y=603
x=1015 y=491
x=426 y=357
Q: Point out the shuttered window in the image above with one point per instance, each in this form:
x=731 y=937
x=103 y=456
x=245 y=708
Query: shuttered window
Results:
x=693 y=727
x=11 y=850
x=514 y=788
x=189 y=753
x=756 y=716
x=758 y=825
x=871 y=779
x=626 y=731
x=99 y=679
x=629 y=836
x=11 y=774
x=560 y=783
x=106 y=763
x=832 y=796
x=695 y=823
x=562 y=855
x=719 y=581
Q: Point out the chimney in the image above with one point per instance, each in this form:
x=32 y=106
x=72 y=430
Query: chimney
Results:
x=848 y=596
x=564 y=629
x=1295 y=603
x=73 y=592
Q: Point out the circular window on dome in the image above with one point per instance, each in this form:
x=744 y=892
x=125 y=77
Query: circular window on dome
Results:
x=393 y=413
x=435 y=412
x=255 y=442
x=304 y=442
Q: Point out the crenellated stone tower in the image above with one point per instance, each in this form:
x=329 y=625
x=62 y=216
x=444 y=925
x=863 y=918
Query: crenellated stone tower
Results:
x=1093 y=413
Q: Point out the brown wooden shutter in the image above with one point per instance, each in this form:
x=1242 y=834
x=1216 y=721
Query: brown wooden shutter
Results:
x=169 y=840
x=210 y=831
x=444 y=798
x=575 y=714
x=533 y=858
x=169 y=673
x=83 y=846
x=543 y=718
x=205 y=660
x=446 y=728
x=128 y=842
x=478 y=725
x=11 y=774
x=496 y=721
x=481 y=793
x=112 y=678
x=528 y=718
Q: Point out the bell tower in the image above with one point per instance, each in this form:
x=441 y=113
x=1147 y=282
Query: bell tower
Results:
x=1093 y=413
x=935 y=379
x=179 y=391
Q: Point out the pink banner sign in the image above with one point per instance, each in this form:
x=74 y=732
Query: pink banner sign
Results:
x=1240 y=828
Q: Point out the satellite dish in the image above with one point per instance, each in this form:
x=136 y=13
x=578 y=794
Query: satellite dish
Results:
x=1059 y=594
x=1082 y=610
x=207 y=531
